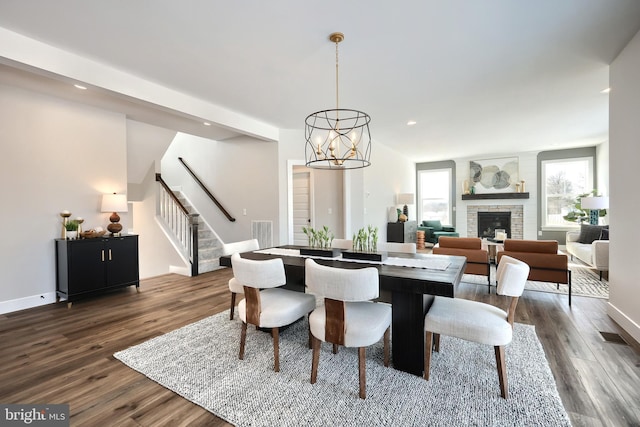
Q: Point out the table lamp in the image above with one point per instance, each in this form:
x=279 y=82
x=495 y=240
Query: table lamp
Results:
x=594 y=205
x=406 y=199
x=114 y=203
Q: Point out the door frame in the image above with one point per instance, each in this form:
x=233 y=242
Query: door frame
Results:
x=290 y=166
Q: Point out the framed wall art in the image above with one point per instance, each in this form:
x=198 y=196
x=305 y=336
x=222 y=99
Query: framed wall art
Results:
x=494 y=175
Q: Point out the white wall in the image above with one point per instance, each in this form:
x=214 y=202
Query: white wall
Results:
x=157 y=255
x=56 y=155
x=390 y=173
x=242 y=174
x=624 y=152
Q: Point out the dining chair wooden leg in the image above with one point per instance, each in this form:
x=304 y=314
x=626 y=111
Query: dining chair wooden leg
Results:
x=275 y=332
x=363 y=372
x=436 y=342
x=502 y=370
x=315 y=359
x=428 y=345
x=310 y=336
x=233 y=305
x=335 y=349
x=387 y=334
x=243 y=338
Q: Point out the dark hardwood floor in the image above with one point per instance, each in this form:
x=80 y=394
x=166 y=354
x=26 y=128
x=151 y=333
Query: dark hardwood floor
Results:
x=52 y=354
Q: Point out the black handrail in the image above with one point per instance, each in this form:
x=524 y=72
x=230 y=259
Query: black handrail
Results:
x=171 y=193
x=204 y=188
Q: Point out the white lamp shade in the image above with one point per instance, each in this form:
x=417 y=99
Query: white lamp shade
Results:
x=114 y=203
x=406 y=199
x=597 y=202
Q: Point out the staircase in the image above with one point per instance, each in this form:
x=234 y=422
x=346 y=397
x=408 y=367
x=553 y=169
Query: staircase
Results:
x=209 y=247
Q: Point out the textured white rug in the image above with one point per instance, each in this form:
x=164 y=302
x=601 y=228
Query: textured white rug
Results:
x=200 y=362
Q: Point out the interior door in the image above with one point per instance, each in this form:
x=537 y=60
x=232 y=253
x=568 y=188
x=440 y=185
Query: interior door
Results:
x=301 y=205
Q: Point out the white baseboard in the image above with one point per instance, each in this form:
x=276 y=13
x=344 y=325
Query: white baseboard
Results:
x=27 y=302
x=183 y=271
x=624 y=321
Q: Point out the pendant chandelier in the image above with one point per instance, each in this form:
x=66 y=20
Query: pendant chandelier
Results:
x=338 y=138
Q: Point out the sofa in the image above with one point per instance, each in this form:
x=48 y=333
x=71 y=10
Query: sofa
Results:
x=545 y=263
x=469 y=247
x=590 y=245
x=433 y=229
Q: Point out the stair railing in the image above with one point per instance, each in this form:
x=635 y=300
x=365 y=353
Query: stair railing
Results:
x=206 y=190
x=183 y=224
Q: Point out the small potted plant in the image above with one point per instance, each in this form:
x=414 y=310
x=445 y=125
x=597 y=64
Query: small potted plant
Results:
x=365 y=245
x=72 y=229
x=319 y=243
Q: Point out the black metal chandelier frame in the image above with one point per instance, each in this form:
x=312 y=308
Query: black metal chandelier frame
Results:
x=338 y=138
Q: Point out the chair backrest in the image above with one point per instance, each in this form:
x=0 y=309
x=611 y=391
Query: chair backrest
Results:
x=460 y=242
x=241 y=246
x=407 y=248
x=260 y=274
x=434 y=223
x=342 y=244
x=359 y=284
x=533 y=246
x=511 y=276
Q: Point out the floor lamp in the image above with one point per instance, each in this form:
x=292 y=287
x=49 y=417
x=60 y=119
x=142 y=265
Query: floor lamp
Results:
x=594 y=204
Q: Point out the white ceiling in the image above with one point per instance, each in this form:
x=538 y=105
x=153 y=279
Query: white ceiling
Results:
x=479 y=77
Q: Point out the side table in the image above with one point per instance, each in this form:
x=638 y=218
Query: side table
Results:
x=493 y=248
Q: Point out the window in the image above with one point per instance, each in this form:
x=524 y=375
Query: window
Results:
x=434 y=190
x=563 y=181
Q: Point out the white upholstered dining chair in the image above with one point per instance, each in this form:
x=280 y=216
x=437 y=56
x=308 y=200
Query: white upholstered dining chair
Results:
x=342 y=244
x=407 y=248
x=347 y=317
x=270 y=307
x=234 y=285
x=476 y=321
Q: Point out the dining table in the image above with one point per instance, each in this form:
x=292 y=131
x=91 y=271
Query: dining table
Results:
x=409 y=282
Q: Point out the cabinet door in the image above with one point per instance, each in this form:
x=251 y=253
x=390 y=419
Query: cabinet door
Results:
x=86 y=266
x=122 y=260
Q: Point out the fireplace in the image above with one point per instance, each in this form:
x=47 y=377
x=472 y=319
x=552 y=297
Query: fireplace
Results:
x=489 y=222
x=517 y=218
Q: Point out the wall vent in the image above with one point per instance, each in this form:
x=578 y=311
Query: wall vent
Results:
x=263 y=231
x=612 y=337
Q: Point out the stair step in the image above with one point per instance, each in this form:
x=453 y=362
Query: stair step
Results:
x=204 y=267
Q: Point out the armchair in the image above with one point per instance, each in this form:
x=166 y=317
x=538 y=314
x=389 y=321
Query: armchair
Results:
x=433 y=229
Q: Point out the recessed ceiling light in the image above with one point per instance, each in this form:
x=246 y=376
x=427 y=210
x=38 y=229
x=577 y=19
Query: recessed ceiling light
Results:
x=206 y=124
x=607 y=90
x=411 y=122
x=80 y=87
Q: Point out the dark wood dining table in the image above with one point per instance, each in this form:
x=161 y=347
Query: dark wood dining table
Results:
x=409 y=290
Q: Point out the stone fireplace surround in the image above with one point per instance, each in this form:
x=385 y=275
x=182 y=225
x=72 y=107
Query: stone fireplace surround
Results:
x=517 y=221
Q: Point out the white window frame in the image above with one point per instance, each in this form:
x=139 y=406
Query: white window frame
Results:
x=421 y=192
x=543 y=190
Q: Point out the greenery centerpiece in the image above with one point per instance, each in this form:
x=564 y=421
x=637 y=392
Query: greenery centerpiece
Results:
x=365 y=245
x=320 y=242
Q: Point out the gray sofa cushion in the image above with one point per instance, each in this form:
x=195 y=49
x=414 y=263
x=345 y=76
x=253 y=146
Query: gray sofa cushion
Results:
x=589 y=233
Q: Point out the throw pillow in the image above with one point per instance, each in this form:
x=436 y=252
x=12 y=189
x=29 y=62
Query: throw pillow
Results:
x=589 y=233
x=604 y=235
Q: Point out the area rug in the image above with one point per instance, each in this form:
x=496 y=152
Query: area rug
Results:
x=200 y=362
x=585 y=282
